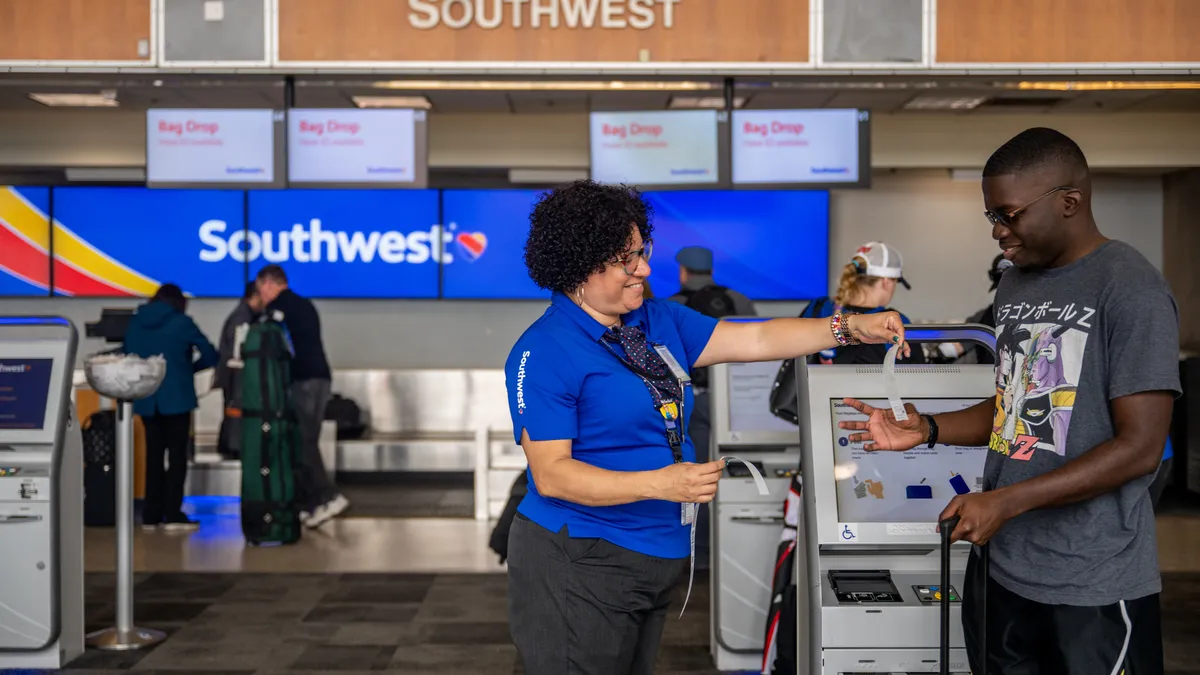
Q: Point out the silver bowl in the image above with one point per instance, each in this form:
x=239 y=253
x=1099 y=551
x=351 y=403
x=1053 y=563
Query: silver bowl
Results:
x=124 y=377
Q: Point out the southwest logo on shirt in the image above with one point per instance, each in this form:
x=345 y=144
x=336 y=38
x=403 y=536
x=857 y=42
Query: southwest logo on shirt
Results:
x=521 y=384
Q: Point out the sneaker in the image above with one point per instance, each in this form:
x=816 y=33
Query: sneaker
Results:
x=151 y=527
x=184 y=525
x=328 y=511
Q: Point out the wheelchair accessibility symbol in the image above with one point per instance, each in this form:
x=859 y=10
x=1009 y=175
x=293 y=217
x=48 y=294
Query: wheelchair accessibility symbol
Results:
x=846 y=533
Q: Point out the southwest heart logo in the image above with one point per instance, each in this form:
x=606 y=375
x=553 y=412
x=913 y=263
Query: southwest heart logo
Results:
x=471 y=244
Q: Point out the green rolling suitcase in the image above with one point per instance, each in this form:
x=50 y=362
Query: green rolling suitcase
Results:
x=270 y=439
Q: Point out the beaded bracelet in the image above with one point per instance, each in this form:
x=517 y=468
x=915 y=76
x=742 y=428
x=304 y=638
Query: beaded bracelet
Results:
x=841 y=330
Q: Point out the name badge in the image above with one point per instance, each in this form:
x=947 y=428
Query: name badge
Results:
x=677 y=370
x=688 y=514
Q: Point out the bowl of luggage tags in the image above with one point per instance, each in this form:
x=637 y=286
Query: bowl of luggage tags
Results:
x=124 y=377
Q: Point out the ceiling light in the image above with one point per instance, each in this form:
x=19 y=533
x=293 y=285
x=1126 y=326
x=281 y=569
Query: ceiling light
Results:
x=105 y=99
x=1108 y=86
x=945 y=102
x=716 y=102
x=542 y=85
x=419 y=102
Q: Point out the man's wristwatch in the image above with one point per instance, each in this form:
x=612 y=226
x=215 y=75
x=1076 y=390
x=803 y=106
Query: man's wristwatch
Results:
x=933 y=431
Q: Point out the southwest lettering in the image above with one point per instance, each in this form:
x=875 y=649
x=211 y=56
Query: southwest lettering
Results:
x=551 y=14
x=315 y=244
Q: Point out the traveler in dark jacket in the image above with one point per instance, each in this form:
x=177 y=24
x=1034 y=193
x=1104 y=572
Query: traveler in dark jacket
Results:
x=228 y=378
x=162 y=328
x=311 y=386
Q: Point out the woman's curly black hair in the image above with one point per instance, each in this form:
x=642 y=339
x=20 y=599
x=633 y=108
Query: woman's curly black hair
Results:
x=574 y=231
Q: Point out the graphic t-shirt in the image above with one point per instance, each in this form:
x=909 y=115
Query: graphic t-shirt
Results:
x=1069 y=341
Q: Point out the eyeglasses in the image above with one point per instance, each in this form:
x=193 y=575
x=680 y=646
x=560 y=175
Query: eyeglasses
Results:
x=1006 y=218
x=630 y=260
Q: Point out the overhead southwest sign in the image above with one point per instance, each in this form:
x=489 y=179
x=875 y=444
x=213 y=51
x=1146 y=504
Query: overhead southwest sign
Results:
x=491 y=14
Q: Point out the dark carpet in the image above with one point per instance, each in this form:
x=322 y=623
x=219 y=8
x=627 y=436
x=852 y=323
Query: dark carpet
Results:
x=251 y=624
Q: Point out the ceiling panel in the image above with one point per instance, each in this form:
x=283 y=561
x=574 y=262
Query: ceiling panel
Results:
x=770 y=100
x=1172 y=101
x=549 y=102
x=1103 y=101
x=637 y=100
x=876 y=101
x=459 y=101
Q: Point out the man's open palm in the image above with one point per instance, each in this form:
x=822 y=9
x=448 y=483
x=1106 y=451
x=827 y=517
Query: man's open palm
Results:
x=881 y=431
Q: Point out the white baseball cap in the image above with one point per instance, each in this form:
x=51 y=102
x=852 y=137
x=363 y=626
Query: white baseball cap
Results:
x=877 y=259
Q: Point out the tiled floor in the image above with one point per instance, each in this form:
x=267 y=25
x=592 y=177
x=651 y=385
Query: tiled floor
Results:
x=344 y=545
x=407 y=595
x=410 y=623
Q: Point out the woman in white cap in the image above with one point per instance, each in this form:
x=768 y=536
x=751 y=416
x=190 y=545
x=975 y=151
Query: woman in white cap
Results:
x=867 y=285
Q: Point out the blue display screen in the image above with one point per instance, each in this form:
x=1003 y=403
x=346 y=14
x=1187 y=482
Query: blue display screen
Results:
x=767 y=245
x=348 y=243
x=24 y=241
x=488 y=230
x=127 y=241
x=24 y=386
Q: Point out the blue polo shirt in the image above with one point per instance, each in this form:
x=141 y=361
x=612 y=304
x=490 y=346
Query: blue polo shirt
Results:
x=564 y=384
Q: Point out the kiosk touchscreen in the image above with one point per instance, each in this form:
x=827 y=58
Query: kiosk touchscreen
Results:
x=873 y=549
x=41 y=496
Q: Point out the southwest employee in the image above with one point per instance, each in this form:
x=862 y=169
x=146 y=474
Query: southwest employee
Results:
x=600 y=398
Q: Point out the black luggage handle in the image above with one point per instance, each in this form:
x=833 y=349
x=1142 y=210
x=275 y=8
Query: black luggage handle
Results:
x=946 y=527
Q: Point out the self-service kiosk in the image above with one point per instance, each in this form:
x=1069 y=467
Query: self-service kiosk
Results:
x=873 y=553
x=745 y=527
x=41 y=496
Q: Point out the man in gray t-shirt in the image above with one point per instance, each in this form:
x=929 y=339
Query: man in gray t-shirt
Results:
x=1086 y=374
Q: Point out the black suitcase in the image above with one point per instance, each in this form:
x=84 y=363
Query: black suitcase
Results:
x=947 y=528
x=99 y=469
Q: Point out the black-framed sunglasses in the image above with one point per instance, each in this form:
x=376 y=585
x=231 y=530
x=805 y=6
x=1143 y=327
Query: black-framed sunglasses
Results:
x=630 y=260
x=1006 y=218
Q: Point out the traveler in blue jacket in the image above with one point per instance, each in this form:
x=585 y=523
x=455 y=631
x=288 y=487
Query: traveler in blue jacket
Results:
x=599 y=395
x=162 y=328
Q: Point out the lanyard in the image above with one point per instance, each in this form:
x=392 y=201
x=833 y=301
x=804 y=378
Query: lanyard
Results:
x=670 y=409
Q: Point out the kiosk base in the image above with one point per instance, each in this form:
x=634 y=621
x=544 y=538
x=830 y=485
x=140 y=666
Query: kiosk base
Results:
x=112 y=639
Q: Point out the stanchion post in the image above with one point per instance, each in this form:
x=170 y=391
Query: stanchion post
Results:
x=125 y=636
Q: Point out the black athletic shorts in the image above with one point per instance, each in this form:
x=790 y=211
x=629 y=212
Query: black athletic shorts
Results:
x=1030 y=638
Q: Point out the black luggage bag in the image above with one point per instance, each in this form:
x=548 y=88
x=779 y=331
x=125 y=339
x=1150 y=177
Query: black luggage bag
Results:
x=270 y=439
x=99 y=469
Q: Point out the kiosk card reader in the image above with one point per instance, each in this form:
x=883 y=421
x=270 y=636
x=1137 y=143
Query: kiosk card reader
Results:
x=41 y=496
x=873 y=572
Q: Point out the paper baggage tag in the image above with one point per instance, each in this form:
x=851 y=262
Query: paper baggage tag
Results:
x=890 y=386
x=677 y=370
x=759 y=482
x=687 y=514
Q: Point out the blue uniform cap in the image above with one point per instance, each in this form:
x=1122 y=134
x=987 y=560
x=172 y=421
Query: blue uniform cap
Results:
x=695 y=258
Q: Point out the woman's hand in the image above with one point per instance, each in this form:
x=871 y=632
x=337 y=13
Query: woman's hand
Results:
x=688 y=483
x=881 y=431
x=879 y=328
